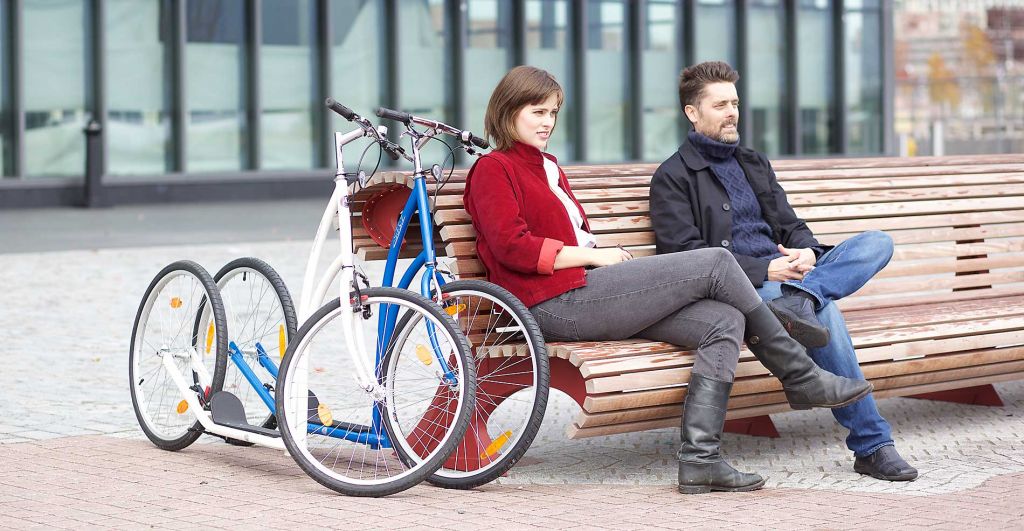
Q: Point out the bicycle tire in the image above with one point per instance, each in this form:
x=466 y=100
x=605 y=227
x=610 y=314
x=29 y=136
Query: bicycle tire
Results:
x=246 y=285
x=504 y=427
x=400 y=470
x=183 y=431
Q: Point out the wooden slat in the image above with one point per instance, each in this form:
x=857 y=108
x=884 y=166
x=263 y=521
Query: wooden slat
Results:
x=919 y=284
x=825 y=183
x=574 y=432
x=947 y=219
x=959 y=369
x=822 y=229
x=861 y=321
x=892 y=195
x=921 y=344
x=904 y=300
x=614 y=358
x=907 y=208
x=950 y=265
x=599 y=403
x=936 y=234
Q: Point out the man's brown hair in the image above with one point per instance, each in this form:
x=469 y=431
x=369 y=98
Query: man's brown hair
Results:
x=521 y=86
x=693 y=80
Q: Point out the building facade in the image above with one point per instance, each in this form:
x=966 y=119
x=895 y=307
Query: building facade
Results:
x=215 y=99
x=959 y=76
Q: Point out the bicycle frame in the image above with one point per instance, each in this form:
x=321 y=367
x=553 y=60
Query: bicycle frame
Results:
x=418 y=202
x=314 y=291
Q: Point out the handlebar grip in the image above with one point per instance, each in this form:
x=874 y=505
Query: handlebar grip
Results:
x=397 y=116
x=344 y=111
x=479 y=142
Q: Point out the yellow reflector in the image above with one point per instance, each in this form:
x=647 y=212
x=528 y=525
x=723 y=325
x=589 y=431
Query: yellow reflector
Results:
x=281 y=340
x=496 y=445
x=176 y=302
x=209 y=338
x=423 y=353
x=182 y=407
x=324 y=413
x=455 y=308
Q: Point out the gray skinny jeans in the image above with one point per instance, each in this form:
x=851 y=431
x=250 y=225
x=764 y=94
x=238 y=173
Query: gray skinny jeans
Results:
x=694 y=299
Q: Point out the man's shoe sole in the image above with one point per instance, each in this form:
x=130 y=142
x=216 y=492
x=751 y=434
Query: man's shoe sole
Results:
x=871 y=387
x=807 y=334
x=704 y=489
x=879 y=475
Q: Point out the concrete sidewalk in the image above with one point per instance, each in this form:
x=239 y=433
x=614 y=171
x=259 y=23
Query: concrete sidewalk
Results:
x=72 y=455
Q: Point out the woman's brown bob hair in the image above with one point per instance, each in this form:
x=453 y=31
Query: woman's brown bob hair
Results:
x=521 y=86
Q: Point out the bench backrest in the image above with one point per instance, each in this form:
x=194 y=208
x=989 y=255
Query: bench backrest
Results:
x=958 y=222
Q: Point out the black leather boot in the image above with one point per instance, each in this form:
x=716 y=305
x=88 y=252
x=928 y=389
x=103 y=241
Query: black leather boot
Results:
x=806 y=385
x=796 y=313
x=701 y=467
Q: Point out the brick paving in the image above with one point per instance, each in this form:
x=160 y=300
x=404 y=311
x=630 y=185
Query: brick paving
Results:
x=98 y=481
x=72 y=455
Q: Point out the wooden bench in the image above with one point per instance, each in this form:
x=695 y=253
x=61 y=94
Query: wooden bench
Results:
x=944 y=320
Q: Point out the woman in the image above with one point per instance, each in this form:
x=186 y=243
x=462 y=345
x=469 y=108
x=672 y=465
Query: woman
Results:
x=534 y=240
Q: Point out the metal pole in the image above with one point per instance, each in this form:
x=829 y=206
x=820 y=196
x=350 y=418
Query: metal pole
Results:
x=93 y=193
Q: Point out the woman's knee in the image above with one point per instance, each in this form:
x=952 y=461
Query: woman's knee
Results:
x=725 y=331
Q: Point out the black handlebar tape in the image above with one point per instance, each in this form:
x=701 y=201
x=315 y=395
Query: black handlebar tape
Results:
x=344 y=111
x=397 y=116
x=479 y=142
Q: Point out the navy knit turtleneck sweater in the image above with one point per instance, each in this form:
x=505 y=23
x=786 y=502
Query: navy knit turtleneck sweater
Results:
x=751 y=235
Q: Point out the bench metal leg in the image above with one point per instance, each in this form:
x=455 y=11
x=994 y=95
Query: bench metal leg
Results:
x=980 y=395
x=472 y=453
x=761 y=426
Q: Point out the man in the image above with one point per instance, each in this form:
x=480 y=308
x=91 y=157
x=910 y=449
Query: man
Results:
x=715 y=193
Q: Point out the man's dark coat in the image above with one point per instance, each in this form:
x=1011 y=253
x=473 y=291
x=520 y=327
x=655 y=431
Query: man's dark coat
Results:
x=690 y=208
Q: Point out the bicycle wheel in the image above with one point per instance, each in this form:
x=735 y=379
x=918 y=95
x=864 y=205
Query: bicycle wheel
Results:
x=260 y=320
x=358 y=443
x=165 y=327
x=512 y=382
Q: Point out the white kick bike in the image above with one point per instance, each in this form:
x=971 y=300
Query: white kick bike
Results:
x=375 y=389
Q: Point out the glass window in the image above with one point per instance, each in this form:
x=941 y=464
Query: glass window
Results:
x=357 y=59
x=488 y=27
x=815 y=75
x=766 y=75
x=662 y=118
x=215 y=65
x=288 y=89
x=138 y=86
x=606 y=82
x=863 y=53
x=423 y=70
x=716 y=31
x=56 y=75
x=548 y=47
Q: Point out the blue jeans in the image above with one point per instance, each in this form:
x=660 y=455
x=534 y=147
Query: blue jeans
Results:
x=838 y=273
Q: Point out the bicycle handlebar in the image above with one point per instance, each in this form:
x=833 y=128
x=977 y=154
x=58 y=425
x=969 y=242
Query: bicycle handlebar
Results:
x=465 y=137
x=475 y=140
x=344 y=111
x=391 y=114
x=393 y=150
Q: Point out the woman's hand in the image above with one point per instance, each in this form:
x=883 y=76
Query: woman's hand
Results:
x=571 y=256
x=609 y=256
